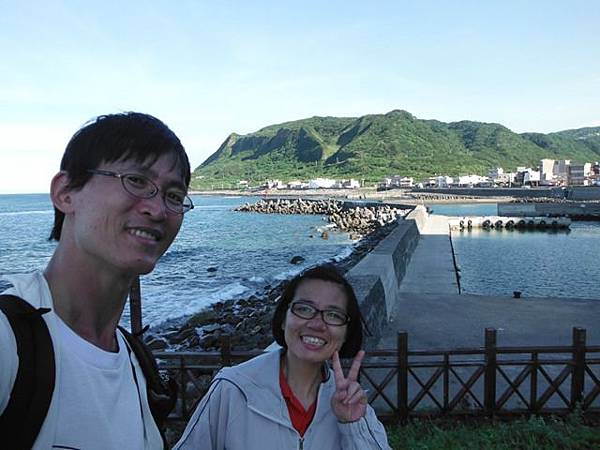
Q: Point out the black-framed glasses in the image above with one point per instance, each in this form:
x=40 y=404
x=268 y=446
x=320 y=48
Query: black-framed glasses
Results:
x=176 y=200
x=329 y=316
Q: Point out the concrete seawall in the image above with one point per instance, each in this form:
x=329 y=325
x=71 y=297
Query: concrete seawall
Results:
x=575 y=210
x=378 y=278
x=578 y=193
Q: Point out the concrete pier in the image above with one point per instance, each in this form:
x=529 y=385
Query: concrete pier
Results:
x=431 y=267
x=427 y=305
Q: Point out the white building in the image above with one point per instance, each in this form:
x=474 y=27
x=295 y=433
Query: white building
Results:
x=531 y=177
x=321 y=183
x=397 y=181
x=347 y=184
x=440 y=181
x=295 y=184
x=547 y=171
x=472 y=180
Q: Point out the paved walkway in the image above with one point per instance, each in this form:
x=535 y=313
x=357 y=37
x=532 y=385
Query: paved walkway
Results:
x=431 y=267
x=430 y=309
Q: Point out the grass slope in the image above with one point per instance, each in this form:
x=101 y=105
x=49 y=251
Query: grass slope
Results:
x=374 y=146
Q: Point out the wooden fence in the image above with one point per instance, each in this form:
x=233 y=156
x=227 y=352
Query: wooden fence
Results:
x=489 y=380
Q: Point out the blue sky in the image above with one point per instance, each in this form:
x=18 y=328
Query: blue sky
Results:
x=212 y=68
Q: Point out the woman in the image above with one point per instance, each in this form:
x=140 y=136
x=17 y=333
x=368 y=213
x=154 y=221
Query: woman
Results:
x=289 y=398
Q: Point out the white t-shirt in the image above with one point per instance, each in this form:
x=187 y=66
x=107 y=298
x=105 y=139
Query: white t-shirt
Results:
x=99 y=401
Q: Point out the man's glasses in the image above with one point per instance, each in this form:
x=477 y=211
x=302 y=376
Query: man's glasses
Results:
x=329 y=316
x=176 y=200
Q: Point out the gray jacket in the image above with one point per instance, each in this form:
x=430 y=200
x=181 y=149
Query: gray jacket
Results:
x=244 y=409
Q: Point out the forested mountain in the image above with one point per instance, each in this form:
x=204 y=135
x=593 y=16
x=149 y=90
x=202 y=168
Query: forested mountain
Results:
x=374 y=146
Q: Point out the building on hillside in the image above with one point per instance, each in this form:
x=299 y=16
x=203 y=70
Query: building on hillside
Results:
x=321 y=183
x=273 y=184
x=531 y=178
x=499 y=177
x=442 y=181
x=472 y=180
x=547 y=172
x=347 y=184
x=579 y=174
x=243 y=184
x=526 y=176
x=496 y=172
x=296 y=185
x=396 y=181
x=561 y=171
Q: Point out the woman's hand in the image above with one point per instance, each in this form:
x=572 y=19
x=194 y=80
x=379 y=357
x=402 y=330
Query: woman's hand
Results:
x=349 y=403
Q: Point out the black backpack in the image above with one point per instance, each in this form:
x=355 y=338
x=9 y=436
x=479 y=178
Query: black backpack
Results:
x=22 y=419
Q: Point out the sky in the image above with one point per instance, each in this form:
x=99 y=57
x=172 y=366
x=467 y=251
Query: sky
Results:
x=208 y=69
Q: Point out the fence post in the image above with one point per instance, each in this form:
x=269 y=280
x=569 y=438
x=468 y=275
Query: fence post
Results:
x=490 y=371
x=402 y=375
x=135 y=306
x=578 y=374
x=183 y=389
x=533 y=388
x=225 y=351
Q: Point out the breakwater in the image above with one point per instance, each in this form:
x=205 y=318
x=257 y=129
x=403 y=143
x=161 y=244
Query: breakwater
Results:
x=352 y=217
x=376 y=278
x=576 y=193
x=575 y=210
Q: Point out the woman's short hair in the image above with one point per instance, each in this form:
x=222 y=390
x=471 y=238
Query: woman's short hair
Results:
x=354 y=333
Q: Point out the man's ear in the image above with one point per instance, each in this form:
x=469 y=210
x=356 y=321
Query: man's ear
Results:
x=61 y=193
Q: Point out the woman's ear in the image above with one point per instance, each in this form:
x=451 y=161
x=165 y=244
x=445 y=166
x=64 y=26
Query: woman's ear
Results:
x=60 y=192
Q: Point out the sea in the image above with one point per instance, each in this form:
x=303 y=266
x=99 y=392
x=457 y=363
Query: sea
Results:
x=535 y=263
x=221 y=254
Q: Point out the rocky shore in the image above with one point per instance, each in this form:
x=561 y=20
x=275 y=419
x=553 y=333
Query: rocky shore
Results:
x=247 y=321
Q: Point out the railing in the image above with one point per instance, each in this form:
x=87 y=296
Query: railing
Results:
x=487 y=381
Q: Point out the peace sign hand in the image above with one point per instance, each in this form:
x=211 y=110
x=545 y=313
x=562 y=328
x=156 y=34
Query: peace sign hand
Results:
x=349 y=403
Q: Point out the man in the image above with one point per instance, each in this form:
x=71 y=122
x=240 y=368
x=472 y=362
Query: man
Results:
x=119 y=201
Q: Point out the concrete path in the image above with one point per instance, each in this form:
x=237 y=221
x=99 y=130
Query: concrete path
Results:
x=431 y=267
x=442 y=321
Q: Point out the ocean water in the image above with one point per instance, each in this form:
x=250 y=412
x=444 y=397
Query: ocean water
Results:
x=537 y=263
x=248 y=250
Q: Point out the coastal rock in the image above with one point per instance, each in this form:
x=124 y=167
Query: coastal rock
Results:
x=297 y=260
x=247 y=322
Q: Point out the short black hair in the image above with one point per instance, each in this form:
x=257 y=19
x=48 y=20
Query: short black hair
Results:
x=326 y=272
x=113 y=137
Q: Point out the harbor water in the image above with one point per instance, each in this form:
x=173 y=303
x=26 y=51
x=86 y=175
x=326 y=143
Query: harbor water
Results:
x=536 y=263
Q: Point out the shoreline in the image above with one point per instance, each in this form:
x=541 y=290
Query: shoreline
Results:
x=245 y=320
x=391 y=196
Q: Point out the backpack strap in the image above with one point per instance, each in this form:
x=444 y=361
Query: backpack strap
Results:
x=162 y=393
x=30 y=398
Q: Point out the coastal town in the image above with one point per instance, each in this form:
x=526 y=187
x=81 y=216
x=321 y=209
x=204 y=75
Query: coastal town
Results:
x=548 y=173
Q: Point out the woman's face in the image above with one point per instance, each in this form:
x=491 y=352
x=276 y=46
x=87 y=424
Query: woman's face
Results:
x=312 y=340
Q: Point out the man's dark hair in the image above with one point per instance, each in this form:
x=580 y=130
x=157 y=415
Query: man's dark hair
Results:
x=114 y=137
x=354 y=333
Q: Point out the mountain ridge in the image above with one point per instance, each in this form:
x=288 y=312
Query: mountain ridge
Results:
x=373 y=146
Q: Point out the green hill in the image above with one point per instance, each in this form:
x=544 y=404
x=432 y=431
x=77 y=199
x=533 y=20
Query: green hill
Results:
x=374 y=146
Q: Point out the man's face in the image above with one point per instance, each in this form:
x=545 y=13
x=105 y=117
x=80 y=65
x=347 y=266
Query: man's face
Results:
x=120 y=232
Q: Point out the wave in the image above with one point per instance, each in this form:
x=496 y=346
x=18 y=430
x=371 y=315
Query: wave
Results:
x=27 y=213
